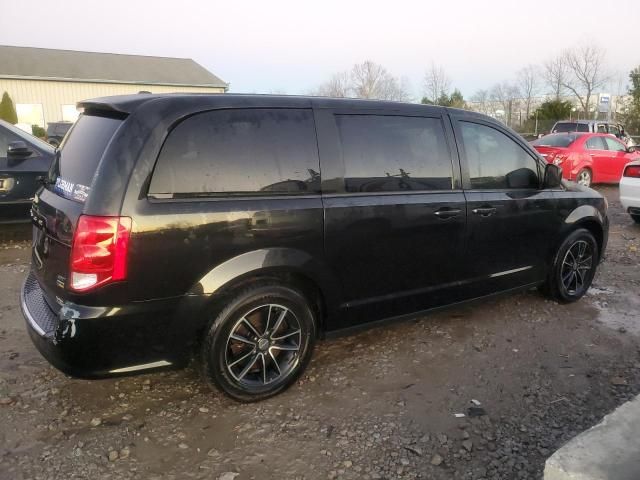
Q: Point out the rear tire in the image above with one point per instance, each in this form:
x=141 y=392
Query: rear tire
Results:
x=584 y=177
x=573 y=268
x=635 y=217
x=260 y=343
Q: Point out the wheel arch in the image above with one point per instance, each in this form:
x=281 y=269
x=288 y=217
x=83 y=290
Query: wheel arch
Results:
x=590 y=218
x=289 y=266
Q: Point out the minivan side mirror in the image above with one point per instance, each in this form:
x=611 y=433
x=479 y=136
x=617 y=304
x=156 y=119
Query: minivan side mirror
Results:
x=18 y=150
x=552 y=176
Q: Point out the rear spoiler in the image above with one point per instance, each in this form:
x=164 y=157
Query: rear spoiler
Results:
x=119 y=106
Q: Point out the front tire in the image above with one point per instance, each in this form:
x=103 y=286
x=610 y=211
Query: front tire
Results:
x=574 y=266
x=635 y=217
x=260 y=343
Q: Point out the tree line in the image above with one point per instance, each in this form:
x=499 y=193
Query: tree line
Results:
x=569 y=82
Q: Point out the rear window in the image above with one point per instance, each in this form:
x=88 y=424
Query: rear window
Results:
x=77 y=159
x=571 y=127
x=240 y=152
x=554 y=141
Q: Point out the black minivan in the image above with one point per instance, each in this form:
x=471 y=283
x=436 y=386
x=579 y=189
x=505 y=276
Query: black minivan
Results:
x=243 y=227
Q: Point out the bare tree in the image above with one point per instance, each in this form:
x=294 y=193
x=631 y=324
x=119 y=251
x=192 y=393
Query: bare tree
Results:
x=504 y=94
x=480 y=101
x=555 y=75
x=365 y=80
x=586 y=66
x=337 y=86
x=528 y=82
x=370 y=80
x=436 y=83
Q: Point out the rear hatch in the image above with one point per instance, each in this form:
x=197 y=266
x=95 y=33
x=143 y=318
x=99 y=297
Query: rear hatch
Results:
x=57 y=207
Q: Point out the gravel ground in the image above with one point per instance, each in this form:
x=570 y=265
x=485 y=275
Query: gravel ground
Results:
x=527 y=373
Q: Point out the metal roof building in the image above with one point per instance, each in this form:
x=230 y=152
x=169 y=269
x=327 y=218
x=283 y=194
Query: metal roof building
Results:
x=46 y=84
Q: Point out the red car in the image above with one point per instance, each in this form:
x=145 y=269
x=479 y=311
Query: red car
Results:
x=586 y=158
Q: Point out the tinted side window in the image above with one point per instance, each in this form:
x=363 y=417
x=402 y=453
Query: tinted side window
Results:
x=242 y=151
x=495 y=161
x=583 y=127
x=614 y=145
x=394 y=154
x=595 y=143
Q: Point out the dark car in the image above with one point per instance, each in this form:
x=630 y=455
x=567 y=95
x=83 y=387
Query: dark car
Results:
x=56 y=132
x=23 y=158
x=244 y=227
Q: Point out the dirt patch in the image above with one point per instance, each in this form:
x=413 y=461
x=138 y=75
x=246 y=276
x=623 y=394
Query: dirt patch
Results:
x=385 y=403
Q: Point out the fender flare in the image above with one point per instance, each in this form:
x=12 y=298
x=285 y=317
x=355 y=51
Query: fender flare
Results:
x=584 y=214
x=265 y=261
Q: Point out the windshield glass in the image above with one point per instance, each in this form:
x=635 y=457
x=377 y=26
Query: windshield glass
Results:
x=76 y=162
x=571 y=127
x=555 y=141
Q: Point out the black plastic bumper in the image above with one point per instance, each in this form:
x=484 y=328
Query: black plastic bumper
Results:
x=96 y=342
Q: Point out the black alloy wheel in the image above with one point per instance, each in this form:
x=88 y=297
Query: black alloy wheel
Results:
x=573 y=268
x=264 y=345
x=260 y=342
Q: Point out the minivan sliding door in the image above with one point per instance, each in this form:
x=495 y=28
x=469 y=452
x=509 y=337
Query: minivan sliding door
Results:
x=394 y=213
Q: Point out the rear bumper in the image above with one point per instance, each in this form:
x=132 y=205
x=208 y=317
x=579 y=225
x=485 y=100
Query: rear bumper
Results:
x=96 y=342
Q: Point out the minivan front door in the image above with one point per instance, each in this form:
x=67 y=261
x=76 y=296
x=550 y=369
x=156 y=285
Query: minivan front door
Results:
x=394 y=211
x=511 y=220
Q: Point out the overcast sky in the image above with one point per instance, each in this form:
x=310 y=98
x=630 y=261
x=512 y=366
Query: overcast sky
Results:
x=292 y=46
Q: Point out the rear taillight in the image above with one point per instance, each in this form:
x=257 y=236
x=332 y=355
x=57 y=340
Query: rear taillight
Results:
x=632 y=171
x=99 y=252
x=560 y=158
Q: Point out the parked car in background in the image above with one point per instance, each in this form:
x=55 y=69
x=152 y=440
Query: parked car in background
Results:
x=594 y=126
x=243 y=227
x=630 y=190
x=586 y=158
x=56 y=132
x=23 y=158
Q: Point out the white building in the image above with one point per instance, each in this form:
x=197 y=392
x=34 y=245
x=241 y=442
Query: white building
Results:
x=46 y=84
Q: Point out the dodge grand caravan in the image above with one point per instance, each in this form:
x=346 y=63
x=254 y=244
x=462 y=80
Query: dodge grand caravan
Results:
x=243 y=227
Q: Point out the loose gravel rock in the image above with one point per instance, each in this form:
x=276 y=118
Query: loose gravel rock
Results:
x=376 y=405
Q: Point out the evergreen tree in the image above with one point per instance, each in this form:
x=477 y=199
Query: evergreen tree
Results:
x=554 y=110
x=8 y=110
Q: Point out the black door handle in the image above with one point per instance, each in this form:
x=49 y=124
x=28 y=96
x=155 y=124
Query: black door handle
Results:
x=484 y=211
x=445 y=213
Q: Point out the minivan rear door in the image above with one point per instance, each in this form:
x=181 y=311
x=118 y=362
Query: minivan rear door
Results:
x=394 y=210
x=58 y=205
